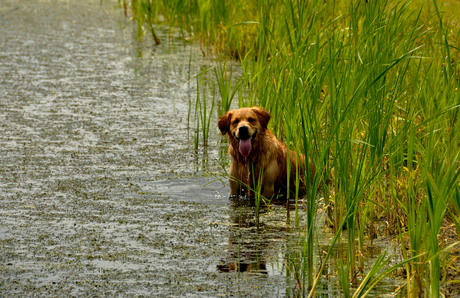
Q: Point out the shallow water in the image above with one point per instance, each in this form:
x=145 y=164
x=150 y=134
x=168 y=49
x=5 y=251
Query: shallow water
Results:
x=101 y=191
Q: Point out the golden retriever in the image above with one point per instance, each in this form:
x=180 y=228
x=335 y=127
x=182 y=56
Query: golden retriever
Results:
x=254 y=148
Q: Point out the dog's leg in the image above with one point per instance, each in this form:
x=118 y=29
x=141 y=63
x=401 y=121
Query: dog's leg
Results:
x=268 y=190
x=233 y=186
x=269 y=178
x=234 y=176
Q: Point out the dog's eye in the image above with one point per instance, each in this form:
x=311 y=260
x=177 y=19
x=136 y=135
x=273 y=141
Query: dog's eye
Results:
x=235 y=121
x=251 y=120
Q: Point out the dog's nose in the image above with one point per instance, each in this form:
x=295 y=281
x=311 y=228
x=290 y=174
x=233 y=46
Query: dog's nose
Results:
x=244 y=132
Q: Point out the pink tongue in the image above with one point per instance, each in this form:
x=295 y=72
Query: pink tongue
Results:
x=245 y=147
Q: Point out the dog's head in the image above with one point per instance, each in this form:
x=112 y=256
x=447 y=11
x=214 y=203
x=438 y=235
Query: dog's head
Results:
x=243 y=125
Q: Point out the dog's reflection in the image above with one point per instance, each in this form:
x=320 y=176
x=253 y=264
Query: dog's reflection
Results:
x=247 y=245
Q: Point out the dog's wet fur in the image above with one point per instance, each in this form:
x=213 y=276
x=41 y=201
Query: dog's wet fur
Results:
x=254 y=148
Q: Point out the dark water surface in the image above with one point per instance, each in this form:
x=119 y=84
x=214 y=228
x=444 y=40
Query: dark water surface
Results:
x=101 y=191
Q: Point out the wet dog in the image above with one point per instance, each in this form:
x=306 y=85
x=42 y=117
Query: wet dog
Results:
x=255 y=151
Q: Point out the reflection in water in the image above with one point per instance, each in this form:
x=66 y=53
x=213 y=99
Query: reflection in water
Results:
x=246 y=245
x=275 y=249
x=252 y=248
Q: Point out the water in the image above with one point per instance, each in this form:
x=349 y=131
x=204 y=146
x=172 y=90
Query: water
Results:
x=101 y=191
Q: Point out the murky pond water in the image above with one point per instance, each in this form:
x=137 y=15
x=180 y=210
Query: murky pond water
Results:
x=101 y=191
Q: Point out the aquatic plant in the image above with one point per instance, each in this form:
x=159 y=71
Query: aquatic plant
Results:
x=202 y=117
x=224 y=82
x=145 y=14
x=257 y=192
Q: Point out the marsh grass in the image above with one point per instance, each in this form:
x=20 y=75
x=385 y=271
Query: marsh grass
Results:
x=227 y=88
x=202 y=116
x=368 y=92
x=258 y=198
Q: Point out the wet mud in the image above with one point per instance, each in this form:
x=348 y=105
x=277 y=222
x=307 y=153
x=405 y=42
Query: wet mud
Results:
x=101 y=191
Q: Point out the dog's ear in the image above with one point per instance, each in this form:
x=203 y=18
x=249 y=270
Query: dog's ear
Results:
x=264 y=116
x=224 y=123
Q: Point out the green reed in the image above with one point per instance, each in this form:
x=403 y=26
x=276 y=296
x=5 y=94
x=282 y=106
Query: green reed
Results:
x=197 y=114
x=202 y=117
x=145 y=13
x=368 y=92
x=257 y=189
x=226 y=90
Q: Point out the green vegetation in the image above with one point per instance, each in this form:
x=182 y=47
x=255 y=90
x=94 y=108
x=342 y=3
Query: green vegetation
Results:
x=201 y=116
x=368 y=90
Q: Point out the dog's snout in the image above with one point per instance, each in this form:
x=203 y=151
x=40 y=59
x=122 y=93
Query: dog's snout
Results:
x=244 y=132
